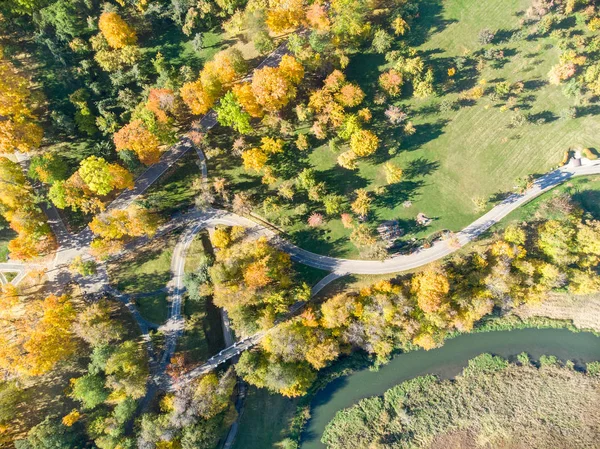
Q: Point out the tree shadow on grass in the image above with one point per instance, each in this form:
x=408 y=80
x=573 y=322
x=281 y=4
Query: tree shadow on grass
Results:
x=399 y=193
x=289 y=163
x=318 y=241
x=420 y=167
x=589 y=200
x=592 y=109
x=430 y=22
x=424 y=133
x=543 y=117
x=364 y=70
x=341 y=181
x=503 y=35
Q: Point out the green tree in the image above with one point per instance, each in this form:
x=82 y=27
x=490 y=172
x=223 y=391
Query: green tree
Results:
x=62 y=15
x=127 y=370
x=334 y=204
x=382 y=41
x=48 y=168
x=51 y=433
x=289 y=379
x=89 y=390
x=96 y=174
x=556 y=239
x=212 y=394
x=230 y=113
x=10 y=397
x=202 y=435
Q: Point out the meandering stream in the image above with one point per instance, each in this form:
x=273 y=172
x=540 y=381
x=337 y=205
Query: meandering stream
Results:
x=446 y=361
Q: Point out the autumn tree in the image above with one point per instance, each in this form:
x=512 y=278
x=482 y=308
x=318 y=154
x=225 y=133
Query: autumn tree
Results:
x=287 y=378
x=18 y=127
x=212 y=393
x=247 y=100
x=112 y=229
x=214 y=80
x=364 y=143
x=362 y=203
x=391 y=82
x=116 y=31
x=273 y=88
x=254 y=159
x=96 y=324
x=102 y=177
x=18 y=206
x=284 y=15
x=393 y=173
x=127 y=370
x=430 y=288
x=294 y=342
x=136 y=137
x=34 y=342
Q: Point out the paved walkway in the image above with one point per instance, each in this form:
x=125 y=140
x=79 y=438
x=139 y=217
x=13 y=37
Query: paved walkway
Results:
x=339 y=267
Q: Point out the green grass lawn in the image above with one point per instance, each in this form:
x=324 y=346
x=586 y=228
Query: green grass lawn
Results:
x=174 y=190
x=146 y=270
x=585 y=192
x=307 y=274
x=455 y=157
x=6 y=235
x=203 y=336
x=265 y=420
x=154 y=308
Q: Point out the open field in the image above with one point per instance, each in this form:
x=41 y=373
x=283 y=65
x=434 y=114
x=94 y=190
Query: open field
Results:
x=582 y=310
x=456 y=156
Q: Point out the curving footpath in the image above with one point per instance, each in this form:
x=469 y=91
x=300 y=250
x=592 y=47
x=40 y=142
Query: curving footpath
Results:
x=439 y=250
x=340 y=267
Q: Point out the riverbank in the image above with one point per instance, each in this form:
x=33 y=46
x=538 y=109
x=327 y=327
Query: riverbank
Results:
x=445 y=362
x=492 y=403
x=277 y=419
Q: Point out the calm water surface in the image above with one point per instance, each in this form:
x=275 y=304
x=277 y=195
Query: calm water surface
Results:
x=446 y=361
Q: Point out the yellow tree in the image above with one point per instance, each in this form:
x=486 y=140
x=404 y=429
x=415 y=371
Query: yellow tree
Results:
x=102 y=177
x=221 y=238
x=35 y=340
x=393 y=173
x=362 y=203
x=254 y=159
x=197 y=98
x=245 y=96
x=364 y=143
x=316 y=15
x=17 y=205
x=116 y=31
x=273 y=88
x=137 y=138
x=216 y=77
x=284 y=14
x=431 y=288
x=18 y=130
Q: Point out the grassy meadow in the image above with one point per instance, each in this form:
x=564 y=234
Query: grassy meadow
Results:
x=458 y=156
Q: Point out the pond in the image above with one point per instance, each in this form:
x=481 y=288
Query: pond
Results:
x=445 y=362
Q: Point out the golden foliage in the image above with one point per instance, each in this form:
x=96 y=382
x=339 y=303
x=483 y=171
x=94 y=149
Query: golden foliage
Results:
x=116 y=31
x=137 y=138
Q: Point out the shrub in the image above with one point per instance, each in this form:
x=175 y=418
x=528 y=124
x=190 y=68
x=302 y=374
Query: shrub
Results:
x=486 y=36
x=589 y=153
